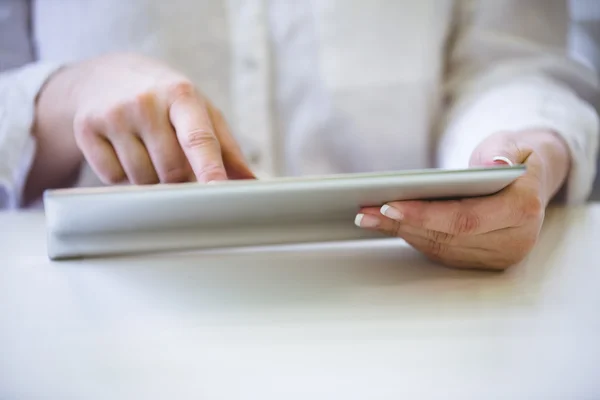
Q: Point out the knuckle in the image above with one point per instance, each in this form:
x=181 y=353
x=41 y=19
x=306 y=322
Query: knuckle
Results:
x=175 y=175
x=532 y=207
x=394 y=229
x=464 y=222
x=440 y=237
x=200 y=138
x=84 y=125
x=208 y=170
x=144 y=105
x=397 y=229
x=144 y=100
x=436 y=249
x=181 y=89
x=115 y=116
x=112 y=176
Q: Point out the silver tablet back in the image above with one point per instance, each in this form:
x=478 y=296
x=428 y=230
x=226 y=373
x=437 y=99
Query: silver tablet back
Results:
x=118 y=220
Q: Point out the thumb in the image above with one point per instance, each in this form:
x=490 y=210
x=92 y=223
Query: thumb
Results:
x=509 y=148
x=499 y=149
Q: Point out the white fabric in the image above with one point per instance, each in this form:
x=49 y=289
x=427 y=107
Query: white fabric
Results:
x=18 y=90
x=331 y=86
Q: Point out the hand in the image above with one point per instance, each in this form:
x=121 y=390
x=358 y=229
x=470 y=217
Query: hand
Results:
x=135 y=120
x=492 y=232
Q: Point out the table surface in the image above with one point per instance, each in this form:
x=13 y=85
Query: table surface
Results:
x=339 y=321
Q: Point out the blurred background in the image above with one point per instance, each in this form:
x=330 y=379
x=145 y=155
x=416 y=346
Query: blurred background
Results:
x=585 y=46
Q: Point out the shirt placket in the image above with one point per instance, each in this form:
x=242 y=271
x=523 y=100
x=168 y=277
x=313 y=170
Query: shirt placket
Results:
x=251 y=83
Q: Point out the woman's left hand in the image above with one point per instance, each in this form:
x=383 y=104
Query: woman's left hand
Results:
x=492 y=232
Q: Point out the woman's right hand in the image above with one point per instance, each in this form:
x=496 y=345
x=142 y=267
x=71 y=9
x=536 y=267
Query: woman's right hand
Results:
x=137 y=120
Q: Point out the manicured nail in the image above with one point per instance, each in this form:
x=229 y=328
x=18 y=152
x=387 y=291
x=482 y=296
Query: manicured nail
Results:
x=366 y=221
x=503 y=159
x=392 y=212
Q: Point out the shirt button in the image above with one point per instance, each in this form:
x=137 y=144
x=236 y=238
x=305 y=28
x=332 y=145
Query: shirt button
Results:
x=254 y=158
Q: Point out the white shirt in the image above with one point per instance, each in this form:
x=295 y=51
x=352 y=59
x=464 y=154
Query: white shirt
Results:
x=329 y=86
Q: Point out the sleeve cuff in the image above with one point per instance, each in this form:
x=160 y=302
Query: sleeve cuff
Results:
x=529 y=103
x=18 y=91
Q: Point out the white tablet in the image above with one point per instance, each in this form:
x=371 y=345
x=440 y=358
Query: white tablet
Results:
x=85 y=222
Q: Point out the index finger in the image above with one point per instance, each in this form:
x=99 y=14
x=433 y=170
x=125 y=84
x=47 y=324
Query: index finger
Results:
x=190 y=118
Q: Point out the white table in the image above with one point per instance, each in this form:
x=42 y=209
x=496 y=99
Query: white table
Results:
x=354 y=321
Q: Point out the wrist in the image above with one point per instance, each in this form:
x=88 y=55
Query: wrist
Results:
x=57 y=157
x=55 y=109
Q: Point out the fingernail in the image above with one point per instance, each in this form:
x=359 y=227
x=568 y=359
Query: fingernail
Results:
x=391 y=212
x=366 y=221
x=502 y=159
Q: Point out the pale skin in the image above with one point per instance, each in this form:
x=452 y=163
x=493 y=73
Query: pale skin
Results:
x=493 y=232
x=136 y=120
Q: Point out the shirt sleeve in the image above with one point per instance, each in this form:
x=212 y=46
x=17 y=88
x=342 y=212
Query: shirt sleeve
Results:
x=18 y=92
x=508 y=69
